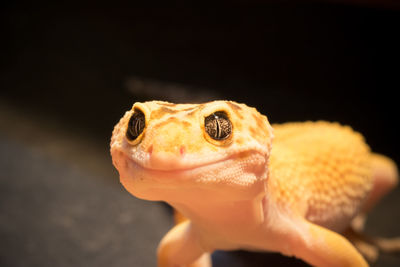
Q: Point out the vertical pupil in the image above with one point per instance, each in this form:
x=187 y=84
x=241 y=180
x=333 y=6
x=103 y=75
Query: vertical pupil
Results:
x=218 y=126
x=138 y=125
x=217 y=122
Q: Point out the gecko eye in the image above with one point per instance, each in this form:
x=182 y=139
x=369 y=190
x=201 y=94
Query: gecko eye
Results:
x=218 y=126
x=136 y=125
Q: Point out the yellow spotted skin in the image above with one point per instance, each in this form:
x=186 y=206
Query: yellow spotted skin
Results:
x=321 y=170
x=292 y=188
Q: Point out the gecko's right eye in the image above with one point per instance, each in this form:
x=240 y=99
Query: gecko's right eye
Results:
x=136 y=125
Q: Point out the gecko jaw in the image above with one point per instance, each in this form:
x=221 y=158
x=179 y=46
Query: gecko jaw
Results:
x=235 y=177
x=204 y=171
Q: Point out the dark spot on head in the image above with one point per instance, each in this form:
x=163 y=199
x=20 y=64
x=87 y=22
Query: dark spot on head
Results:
x=234 y=106
x=239 y=141
x=260 y=121
x=172 y=118
x=253 y=131
x=167 y=110
x=237 y=109
x=185 y=124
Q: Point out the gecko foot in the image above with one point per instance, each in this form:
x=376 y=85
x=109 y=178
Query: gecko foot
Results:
x=364 y=245
x=388 y=245
x=370 y=247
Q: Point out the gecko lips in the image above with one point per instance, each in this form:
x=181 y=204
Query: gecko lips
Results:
x=234 y=173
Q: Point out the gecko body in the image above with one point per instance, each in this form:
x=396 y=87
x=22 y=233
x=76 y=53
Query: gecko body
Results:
x=244 y=184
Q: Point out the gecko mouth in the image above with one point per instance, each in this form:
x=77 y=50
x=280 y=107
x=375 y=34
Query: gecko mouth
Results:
x=228 y=176
x=232 y=163
x=177 y=168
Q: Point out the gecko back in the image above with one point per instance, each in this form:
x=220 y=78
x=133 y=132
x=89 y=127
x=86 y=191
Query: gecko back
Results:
x=323 y=169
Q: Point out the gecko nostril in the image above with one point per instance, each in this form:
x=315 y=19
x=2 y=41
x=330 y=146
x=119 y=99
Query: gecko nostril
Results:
x=150 y=149
x=182 y=150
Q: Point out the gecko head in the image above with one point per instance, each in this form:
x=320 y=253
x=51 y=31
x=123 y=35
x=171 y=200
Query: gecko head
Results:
x=177 y=152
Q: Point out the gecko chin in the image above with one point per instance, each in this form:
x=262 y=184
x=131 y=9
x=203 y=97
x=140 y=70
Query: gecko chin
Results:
x=236 y=177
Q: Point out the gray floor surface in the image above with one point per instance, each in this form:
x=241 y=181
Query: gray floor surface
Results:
x=61 y=203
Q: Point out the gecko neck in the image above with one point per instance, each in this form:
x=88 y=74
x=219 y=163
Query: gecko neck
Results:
x=246 y=223
x=242 y=222
x=235 y=213
x=209 y=208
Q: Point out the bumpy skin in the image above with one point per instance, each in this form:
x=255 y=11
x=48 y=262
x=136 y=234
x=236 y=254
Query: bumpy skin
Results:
x=289 y=188
x=321 y=170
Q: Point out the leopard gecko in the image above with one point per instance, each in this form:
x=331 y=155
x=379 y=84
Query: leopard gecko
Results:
x=240 y=183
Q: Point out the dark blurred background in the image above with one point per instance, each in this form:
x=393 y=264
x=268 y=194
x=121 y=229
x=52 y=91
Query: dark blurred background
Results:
x=67 y=76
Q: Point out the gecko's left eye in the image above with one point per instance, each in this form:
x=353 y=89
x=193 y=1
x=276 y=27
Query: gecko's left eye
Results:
x=218 y=125
x=136 y=125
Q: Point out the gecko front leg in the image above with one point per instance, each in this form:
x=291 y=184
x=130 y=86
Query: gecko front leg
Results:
x=323 y=247
x=180 y=247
